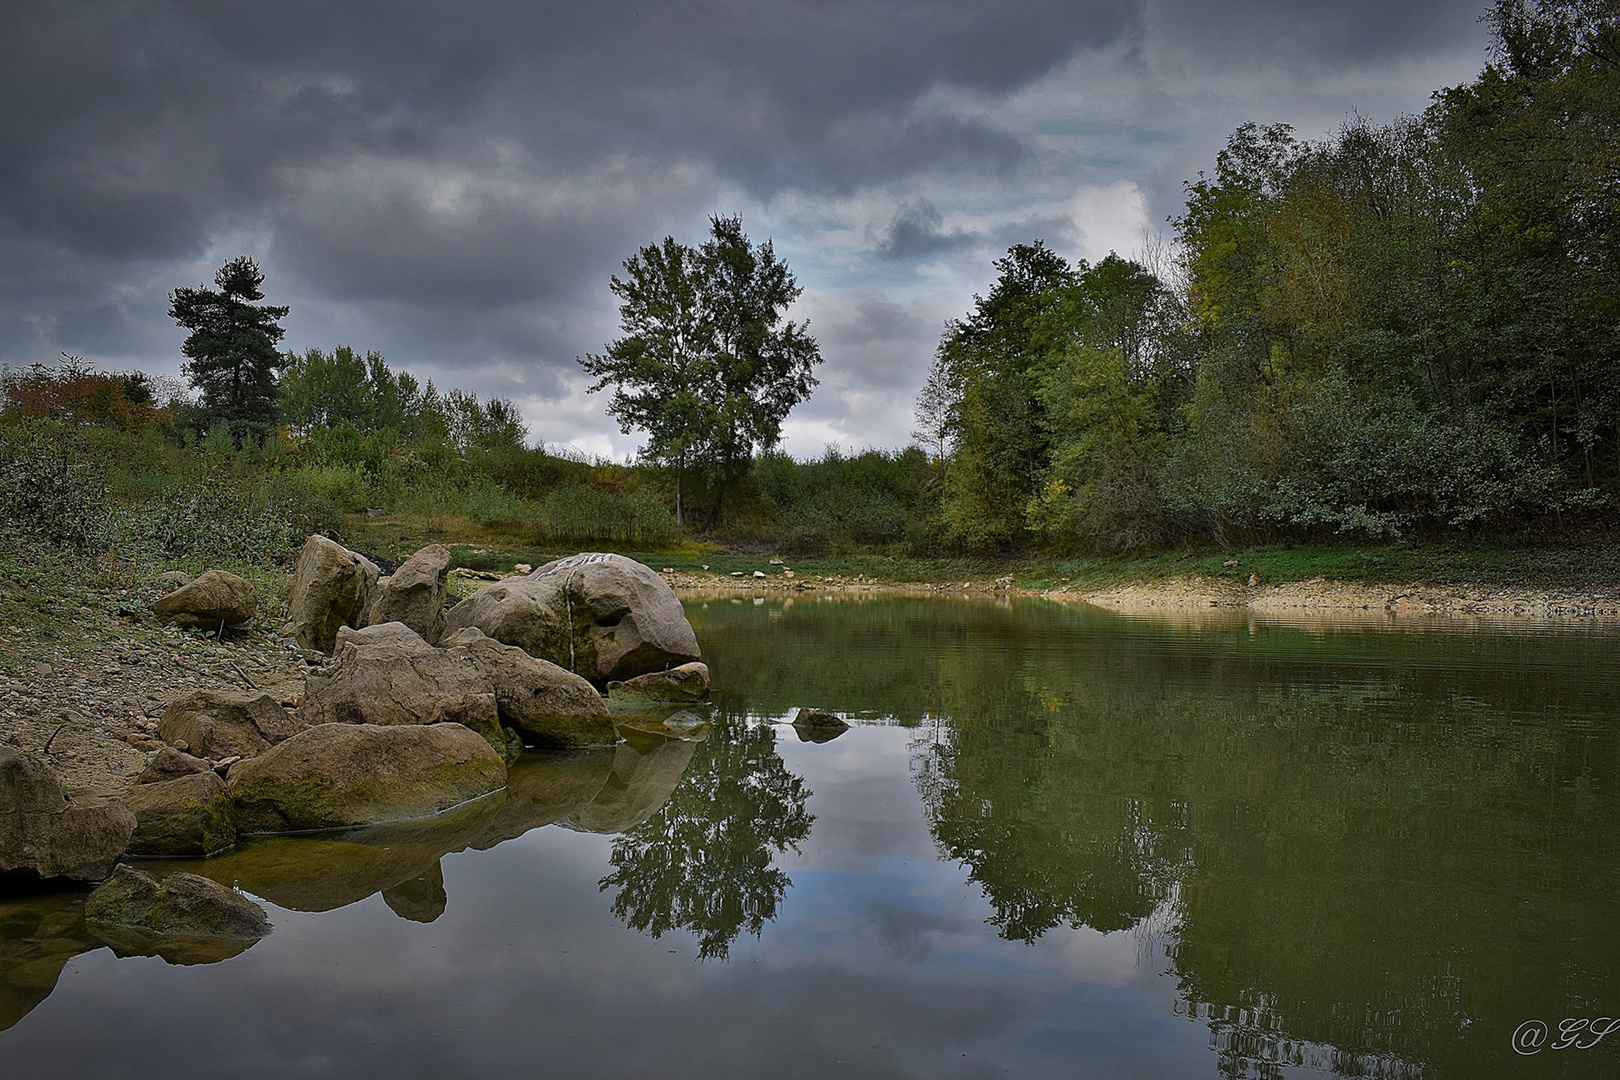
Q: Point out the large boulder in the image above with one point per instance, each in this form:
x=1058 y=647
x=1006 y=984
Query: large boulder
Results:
x=388 y=675
x=44 y=833
x=685 y=683
x=185 y=918
x=226 y=723
x=217 y=598
x=358 y=774
x=415 y=593
x=548 y=704
x=187 y=817
x=602 y=616
x=331 y=587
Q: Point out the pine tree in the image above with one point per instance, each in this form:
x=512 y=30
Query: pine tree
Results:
x=231 y=350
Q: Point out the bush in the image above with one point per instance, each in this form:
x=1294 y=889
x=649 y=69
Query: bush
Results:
x=582 y=513
x=48 y=490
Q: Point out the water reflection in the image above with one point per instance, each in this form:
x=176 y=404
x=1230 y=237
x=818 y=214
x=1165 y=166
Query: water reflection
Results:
x=38 y=935
x=1378 y=853
x=1354 y=852
x=705 y=861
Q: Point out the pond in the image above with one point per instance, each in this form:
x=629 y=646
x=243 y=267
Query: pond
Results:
x=1057 y=842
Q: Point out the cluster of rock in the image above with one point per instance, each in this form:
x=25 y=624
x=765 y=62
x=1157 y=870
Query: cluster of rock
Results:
x=419 y=709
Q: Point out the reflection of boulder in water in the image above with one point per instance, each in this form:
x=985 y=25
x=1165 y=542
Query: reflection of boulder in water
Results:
x=184 y=918
x=818 y=726
x=183 y=950
x=646 y=769
x=544 y=788
x=38 y=935
x=421 y=899
x=333 y=870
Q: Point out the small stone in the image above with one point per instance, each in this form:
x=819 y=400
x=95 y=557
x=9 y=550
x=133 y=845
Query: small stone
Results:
x=759 y=573
x=522 y=568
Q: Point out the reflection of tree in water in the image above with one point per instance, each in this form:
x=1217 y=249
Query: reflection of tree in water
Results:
x=704 y=862
x=1046 y=837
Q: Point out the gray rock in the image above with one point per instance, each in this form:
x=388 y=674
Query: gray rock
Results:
x=173 y=579
x=337 y=775
x=185 y=918
x=168 y=764
x=390 y=633
x=225 y=723
x=186 y=817
x=548 y=704
x=602 y=616
x=388 y=675
x=415 y=593
x=216 y=598
x=331 y=587
x=44 y=833
x=687 y=682
x=818 y=726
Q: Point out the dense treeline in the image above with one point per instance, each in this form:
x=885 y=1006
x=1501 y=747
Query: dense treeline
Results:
x=1397 y=329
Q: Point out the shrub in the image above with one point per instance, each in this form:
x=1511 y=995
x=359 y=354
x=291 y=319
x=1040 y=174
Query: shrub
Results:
x=582 y=513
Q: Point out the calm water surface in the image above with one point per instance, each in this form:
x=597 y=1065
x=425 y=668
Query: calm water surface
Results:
x=1062 y=844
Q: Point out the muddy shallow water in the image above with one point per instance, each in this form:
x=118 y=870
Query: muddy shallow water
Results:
x=1056 y=843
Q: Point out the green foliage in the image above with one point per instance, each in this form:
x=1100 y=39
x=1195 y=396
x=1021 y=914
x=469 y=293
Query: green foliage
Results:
x=589 y=514
x=877 y=499
x=1394 y=331
x=707 y=367
x=49 y=491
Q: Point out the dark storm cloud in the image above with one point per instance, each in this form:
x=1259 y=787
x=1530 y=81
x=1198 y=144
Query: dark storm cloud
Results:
x=452 y=183
x=917 y=231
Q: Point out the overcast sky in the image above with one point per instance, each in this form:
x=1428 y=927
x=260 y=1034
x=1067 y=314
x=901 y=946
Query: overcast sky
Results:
x=452 y=184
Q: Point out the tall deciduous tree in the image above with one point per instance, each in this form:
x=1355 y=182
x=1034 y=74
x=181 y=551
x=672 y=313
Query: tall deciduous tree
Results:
x=708 y=368
x=231 y=350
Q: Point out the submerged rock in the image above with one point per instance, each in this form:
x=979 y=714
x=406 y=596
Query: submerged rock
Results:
x=185 y=918
x=217 y=598
x=685 y=683
x=602 y=616
x=336 y=775
x=187 y=816
x=224 y=723
x=818 y=726
x=331 y=587
x=548 y=704
x=415 y=593
x=44 y=833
